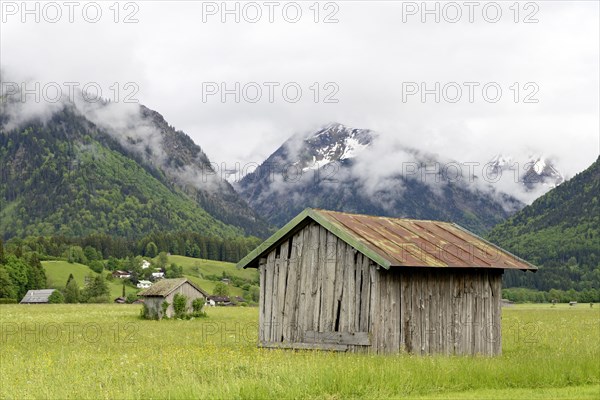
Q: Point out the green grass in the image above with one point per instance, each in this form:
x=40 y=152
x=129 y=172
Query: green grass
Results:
x=209 y=286
x=57 y=272
x=548 y=353
x=211 y=267
x=194 y=268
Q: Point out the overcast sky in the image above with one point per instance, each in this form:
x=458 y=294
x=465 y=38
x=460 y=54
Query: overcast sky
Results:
x=374 y=61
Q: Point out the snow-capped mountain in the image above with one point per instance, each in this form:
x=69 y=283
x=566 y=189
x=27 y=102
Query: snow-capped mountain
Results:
x=348 y=169
x=334 y=142
x=531 y=172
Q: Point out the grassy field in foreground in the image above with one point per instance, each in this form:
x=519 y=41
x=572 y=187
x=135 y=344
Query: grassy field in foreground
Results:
x=548 y=353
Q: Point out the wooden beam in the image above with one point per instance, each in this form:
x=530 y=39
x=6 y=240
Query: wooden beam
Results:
x=346 y=338
x=304 y=346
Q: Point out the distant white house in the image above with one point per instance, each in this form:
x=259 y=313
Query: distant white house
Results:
x=145 y=264
x=121 y=274
x=158 y=274
x=144 y=284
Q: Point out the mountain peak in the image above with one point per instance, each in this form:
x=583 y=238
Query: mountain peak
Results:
x=333 y=142
x=328 y=172
x=536 y=170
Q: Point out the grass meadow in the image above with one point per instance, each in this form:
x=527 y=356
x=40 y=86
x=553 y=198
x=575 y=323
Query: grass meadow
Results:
x=106 y=351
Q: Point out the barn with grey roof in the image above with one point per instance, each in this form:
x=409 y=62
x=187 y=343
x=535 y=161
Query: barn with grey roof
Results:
x=38 y=296
x=164 y=291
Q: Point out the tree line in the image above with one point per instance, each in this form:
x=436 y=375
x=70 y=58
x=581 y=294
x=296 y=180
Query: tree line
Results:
x=103 y=246
x=19 y=273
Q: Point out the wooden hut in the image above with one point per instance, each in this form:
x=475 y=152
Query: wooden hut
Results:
x=38 y=296
x=165 y=290
x=338 y=281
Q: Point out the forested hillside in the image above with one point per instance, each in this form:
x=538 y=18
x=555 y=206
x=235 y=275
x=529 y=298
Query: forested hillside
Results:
x=69 y=177
x=559 y=232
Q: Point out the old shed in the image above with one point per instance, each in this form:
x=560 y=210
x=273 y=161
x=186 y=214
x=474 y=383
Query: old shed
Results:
x=38 y=296
x=165 y=290
x=338 y=281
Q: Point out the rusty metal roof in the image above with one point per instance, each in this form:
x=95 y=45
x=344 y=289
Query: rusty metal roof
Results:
x=395 y=242
x=164 y=287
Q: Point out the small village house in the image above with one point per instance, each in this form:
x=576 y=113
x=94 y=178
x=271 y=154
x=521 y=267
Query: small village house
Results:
x=38 y=296
x=143 y=284
x=220 y=300
x=165 y=290
x=158 y=274
x=121 y=274
x=348 y=282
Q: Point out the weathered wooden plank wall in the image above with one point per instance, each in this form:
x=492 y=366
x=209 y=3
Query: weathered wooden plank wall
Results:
x=448 y=311
x=314 y=282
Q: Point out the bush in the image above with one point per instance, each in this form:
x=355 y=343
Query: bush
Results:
x=197 y=304
x=99 y=299
x=221 y=289
x=72 y=293
x=180 y=305
x=145 y=312
x=96 y=266
x=56 y=297
x=165 y=304
x=96 y=289
x=131 y=297
x=8 y=301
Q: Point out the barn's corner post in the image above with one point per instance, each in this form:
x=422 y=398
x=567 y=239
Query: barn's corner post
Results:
x=498 y=312
x=262 y=263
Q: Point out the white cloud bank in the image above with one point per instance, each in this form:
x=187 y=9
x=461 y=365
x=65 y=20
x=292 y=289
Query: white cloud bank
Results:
x=368 y=56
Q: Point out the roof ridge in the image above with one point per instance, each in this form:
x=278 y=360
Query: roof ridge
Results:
x=384 y=245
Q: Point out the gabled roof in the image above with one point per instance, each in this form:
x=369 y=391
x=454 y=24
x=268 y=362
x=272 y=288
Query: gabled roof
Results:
x=165 y=287
x=395 y=242
x=37 y=296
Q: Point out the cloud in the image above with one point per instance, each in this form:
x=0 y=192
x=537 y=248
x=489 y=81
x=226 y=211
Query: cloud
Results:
x=125 y=122
x=367 y=55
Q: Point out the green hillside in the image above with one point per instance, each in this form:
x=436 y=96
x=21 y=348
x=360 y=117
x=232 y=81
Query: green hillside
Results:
x=57 y=273
x=209 y=286
x=67 y=177
x=195 y=269
x=560 y=232
x=211 y=267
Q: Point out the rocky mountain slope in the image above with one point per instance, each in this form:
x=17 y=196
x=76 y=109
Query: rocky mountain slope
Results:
x=105 y=169
x=342 y=168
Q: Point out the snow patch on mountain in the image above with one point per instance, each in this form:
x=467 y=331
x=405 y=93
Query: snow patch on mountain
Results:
x=332 y=143
x=534 y=171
